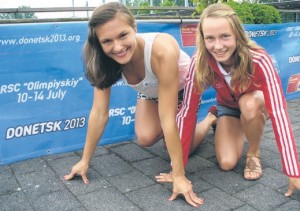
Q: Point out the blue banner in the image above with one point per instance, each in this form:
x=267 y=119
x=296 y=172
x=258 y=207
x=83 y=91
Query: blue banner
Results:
x=45 y=98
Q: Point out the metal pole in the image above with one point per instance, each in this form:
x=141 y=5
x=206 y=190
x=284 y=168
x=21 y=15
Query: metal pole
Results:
x=186 y=3
x=87 y=12
x=73 y=8
x=151 y=4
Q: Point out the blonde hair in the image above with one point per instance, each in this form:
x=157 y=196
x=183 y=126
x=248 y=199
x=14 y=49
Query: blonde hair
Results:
x=242 y=58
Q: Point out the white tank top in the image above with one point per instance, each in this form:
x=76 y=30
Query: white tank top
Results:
x=149 y=85
x=227 y=75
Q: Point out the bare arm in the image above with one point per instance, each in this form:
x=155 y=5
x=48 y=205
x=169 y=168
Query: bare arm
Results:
x=165 y=65
x=97 y=121
x=98 y=118
x=165 y=55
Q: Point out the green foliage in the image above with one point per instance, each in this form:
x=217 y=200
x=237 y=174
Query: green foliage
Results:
x=243 y=11
x=248 y=13
x=265 y=14
x=142 y=4
x=28 y=15
x=168 y=3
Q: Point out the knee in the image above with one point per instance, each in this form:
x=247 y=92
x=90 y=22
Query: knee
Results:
x=144 y=140
x=226 y=164
x=250 y=108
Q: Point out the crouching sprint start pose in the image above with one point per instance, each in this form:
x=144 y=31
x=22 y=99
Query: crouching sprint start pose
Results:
x=155 y=66
x=248 y=92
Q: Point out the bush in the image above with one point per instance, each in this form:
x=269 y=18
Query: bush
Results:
x=243 y=11
x=265 y=14
x=250 y=13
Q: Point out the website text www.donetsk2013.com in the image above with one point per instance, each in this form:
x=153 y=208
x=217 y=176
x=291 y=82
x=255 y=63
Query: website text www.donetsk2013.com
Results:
x=52 y=38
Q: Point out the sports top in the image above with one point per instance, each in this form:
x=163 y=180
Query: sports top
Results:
x=149 y=85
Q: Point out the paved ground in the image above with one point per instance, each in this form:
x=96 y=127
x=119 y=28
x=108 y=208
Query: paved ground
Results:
x=122 y=178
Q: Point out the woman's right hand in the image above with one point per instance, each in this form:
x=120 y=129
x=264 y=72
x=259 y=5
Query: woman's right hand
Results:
x=81 y=169
x=181 y=185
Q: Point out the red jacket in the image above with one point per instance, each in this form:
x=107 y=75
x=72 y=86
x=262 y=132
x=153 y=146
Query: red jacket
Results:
x=266 y=79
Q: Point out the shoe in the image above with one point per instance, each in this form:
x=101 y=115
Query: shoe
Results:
x=253 y=165
x=214 y=111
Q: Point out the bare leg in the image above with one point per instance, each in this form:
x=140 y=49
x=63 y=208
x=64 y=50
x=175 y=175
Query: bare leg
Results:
x=229 y=142
x=253 y=120
x=147 y=123
x=202 y=129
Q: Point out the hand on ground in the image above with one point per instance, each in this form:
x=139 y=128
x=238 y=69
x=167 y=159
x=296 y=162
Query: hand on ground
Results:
x=181 y=185
x=164 y=177
x=294 y=183
x=80 y=168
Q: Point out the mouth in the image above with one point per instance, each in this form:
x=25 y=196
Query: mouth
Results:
x=220 y=53
x=122 y=53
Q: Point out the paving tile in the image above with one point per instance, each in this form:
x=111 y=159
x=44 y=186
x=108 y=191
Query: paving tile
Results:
x=199 y=185
x=229 y=182
x=63 y=165
x=8 y=182
x=245 y=208
x=284 y=189
x=289 y=206
x=205 y=150
x=271 y=159
x=155 y=197
x=39 y=183
x=262 y=197
x=197 y=163
x=110 y=165
x=100 y=150
x=273 y=179
x=269 y=144
x=15 y=201
x=130 y=181
x=107 y=199
x=60 y=200
x=32 y=165
x=59 y=155
x=131 y=152
x=152 y=166
x=78 y=187
x=4 y=168
x=216 y=199
x=159 y=149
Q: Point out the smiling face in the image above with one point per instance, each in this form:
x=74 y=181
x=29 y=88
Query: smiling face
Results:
x=117 y=39
x=219 y=39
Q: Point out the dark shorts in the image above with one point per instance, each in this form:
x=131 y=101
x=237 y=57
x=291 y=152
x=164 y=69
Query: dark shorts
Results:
x=145 y=97
x=226 y=111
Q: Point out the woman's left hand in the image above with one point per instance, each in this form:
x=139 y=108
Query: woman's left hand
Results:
x=293 y=183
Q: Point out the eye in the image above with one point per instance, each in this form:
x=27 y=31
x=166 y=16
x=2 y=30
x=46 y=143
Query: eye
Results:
x=124 y=35
x=226 y=36
x=106 y=42
x=209 y=39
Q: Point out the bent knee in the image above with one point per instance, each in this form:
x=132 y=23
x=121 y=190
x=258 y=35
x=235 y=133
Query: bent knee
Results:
x=145 y=140
x=251 y=108
x=227 y=165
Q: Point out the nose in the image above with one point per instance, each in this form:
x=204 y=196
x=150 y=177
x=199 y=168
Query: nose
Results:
x=117 y=46
x=218 y=44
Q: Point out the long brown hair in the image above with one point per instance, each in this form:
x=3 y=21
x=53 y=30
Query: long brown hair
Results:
x=242 y=58
x=101 y=70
